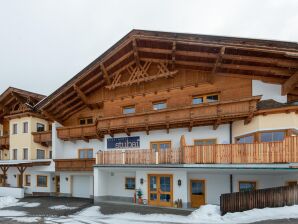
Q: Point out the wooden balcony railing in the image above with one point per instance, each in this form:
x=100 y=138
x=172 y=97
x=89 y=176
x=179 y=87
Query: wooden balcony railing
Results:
x=204 y=114
x=4 y=142
x=74 y=164
x=268 y=152
x=43 y=138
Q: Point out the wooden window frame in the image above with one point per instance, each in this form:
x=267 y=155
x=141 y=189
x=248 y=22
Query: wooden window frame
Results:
x=126 y=178
x=160 y=142
x=24 y=154
x=205 y=139
x=129 y=106
x=257 y=134
x=26 y=183
x=86 y=120
x=248 y=181
x=85 y=153
x=37 y=176
x=159 y=102
x=204 y=96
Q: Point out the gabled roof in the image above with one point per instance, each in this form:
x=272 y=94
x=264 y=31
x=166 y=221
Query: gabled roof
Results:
x=267 y=60
x=12 y=96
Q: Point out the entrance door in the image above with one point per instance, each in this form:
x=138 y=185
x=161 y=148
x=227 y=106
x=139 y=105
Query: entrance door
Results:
x=160 y=191
x=19 y=180
x=57 y=184
x=197 y=193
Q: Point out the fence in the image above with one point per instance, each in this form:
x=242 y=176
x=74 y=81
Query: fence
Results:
x=269 y=197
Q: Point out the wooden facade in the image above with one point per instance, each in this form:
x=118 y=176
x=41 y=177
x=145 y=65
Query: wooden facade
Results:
x=74 y=164
x=187 y=116
x=256 y=153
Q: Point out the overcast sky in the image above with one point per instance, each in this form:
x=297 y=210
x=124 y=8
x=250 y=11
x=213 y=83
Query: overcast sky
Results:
x=43 y=43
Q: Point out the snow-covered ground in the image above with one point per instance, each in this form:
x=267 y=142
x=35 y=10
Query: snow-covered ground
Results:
x=206 y=214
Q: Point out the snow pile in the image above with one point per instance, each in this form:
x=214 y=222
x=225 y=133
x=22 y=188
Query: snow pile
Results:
x=11 y=213
x=26 y=219
x=31 y=205
x=8 y=201
x=61 y=207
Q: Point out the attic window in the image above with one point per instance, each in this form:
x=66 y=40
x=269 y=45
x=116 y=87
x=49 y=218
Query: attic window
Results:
x=84 y=121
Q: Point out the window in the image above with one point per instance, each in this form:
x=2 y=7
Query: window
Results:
x=85 y=153
x=129 y=110
x=27 y=180
x=272 y=136
x=156 y=146
x=25 y=127
x=15 y=154
x=205 y=99
x=25 y=154
x=245 y=139
x=245 y=186
x=50 y=154
x=204 y=141
x=130 y=183
x=160 y=105
x=41 y=181
x=40 y=127
x=84 y=121
x=15 y=129
x=40 y=154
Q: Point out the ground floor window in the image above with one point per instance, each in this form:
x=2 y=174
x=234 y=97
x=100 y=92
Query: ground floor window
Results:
x=204 y=141
x=245 y=186
x=162 y=145
x=42 y=181
x=27 y=179
x=130 y=183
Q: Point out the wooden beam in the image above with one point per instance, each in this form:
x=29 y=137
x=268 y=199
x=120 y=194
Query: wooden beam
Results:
x=135 y=52
x=105 y=74
x=50 y=116
x=217 y=64
x=290 y=84
x=83 y=97
x=173 y=55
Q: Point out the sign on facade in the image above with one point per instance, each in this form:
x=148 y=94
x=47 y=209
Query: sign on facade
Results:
x=123 y=143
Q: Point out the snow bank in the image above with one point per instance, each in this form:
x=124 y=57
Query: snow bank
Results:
x=61 y=207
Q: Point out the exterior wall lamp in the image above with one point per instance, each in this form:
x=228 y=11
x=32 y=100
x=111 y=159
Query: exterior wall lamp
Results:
x=179 y=182
x=66 y=178
x=141 y=181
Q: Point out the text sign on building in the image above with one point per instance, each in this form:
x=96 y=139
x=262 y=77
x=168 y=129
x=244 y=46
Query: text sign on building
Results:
x=123 y=143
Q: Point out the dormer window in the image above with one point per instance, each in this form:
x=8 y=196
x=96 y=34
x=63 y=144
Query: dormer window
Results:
x=84 y=121
x=159 y=105
x=129 y=110
x=211 y=98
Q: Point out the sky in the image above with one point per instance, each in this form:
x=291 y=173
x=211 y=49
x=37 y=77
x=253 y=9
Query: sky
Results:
x=44 y=43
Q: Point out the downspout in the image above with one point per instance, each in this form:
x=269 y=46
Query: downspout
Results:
x=231 y=141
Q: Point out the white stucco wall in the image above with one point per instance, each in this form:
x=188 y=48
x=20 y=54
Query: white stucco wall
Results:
x=268 y=91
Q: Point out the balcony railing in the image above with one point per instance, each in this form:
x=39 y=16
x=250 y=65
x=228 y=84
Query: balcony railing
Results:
x=74 y=164
x=43 y=138
x=204 y=114
x=4 y=142
x=267 y=152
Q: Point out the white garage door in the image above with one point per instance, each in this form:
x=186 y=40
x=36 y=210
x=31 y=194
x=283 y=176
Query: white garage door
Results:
x=82 y=186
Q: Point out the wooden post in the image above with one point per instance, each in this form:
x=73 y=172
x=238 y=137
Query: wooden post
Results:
x=4 y=170
x=21 y=170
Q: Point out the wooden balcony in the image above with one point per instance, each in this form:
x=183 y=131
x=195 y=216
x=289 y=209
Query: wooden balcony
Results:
x=190 y=116
x=268 y=152
x=44 y=138
x=74 y=164
x=4 y=142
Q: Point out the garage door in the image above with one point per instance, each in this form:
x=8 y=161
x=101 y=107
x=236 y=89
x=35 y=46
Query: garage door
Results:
x=82 y=186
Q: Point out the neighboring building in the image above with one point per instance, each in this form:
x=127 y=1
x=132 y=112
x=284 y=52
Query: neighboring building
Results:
x=25 y=161
x=178 y=116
